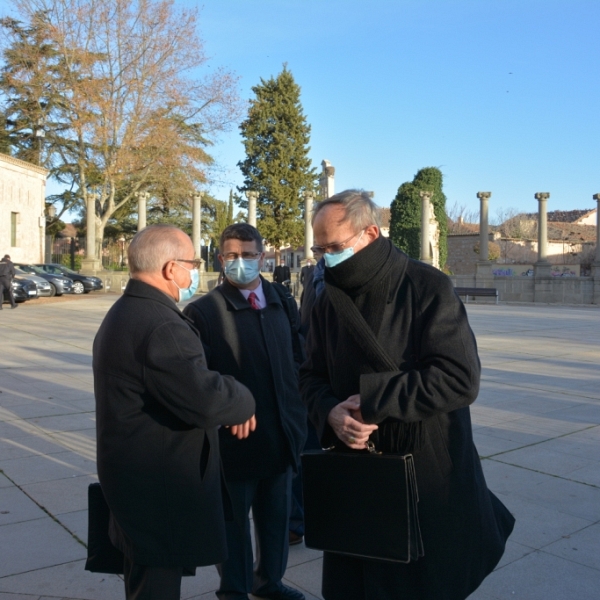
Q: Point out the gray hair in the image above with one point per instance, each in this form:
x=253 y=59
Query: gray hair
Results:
x=155 y=245
x=360 y=210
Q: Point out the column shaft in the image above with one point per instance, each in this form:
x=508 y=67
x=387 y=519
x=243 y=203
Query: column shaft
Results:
x=142 y=200
x=597 y=256
x=252 y=208
x=90 y=250
x=483 y=225
x=425 y=253
x=308 y=231
x=542 y=199
x=197 y=224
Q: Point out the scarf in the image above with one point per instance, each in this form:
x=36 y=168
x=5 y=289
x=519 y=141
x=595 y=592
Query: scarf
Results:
x=359 y=289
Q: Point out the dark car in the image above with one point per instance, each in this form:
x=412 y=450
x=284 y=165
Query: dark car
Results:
x=59 y=284
x=81 y=283
x=23 y=289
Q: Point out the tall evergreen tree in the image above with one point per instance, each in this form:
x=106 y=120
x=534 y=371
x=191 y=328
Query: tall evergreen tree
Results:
x=277 y=166
x=405 y=221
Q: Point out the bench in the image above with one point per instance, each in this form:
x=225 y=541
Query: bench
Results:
x=466 y=292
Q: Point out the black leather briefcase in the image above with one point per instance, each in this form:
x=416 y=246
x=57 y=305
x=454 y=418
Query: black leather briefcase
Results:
x=361 y=504
x=102 y=557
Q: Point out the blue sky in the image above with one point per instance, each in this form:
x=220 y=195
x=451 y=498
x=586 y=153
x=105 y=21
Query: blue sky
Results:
x=503 y=96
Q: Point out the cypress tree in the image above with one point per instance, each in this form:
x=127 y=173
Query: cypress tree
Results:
x=405 y=213
x=276 y=136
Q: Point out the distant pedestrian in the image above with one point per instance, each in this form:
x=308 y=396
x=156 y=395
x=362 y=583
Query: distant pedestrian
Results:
x=7 y=274
x=282 y=273
x=306 y=271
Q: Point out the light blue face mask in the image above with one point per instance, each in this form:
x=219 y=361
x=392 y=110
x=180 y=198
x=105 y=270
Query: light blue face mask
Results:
x=242 y=270
x=188 y=292
x=332 y=260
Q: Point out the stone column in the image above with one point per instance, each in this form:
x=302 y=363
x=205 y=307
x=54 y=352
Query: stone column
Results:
x=197 y=222
x=308 y=232
x=596 y=263
x=597 y=256
x=483 y=224
x=425 y=203
x=252 y=197
x=142 y=203
x=542 y=266
x=91 y=262
x=484 y=266
x=327 y=180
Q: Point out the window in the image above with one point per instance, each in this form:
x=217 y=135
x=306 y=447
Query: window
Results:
x=14 y=221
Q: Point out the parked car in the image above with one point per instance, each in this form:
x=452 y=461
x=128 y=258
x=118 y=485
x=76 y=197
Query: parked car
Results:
x=22 y=288
x=59 y=284
x=82 y=284
x=44 y=288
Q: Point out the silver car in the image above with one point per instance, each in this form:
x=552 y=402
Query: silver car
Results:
x=43 y=287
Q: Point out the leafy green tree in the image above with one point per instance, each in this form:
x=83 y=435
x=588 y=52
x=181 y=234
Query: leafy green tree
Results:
x=405 y=221
x=277 y=166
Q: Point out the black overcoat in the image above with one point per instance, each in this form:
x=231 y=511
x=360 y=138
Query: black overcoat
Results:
x=157 y=409
x=425 y=330
x=281 y=273
x=256 y=348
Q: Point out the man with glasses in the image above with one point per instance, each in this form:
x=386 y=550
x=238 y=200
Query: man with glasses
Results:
x=249 y=331
x=158 y=408
x=391 y=360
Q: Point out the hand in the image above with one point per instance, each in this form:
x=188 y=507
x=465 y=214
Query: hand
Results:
x=243 y=431
x=347 y=423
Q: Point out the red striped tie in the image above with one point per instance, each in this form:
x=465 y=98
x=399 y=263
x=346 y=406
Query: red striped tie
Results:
x=253 y=299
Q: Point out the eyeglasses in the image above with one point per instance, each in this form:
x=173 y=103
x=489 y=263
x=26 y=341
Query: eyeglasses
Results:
x=244 y=255
x=195 y=262
x=335 y=247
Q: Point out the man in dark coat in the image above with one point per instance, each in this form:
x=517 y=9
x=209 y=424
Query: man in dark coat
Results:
x=158 y=408
x=282 y=273
x=7 y=274
x=306 y=271
x=391 y=359
x=246 y=330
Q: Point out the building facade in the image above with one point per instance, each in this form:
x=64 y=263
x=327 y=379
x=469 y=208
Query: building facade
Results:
x=22 y=204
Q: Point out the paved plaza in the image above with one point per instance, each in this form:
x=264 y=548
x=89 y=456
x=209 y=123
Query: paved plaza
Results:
x=537 y=428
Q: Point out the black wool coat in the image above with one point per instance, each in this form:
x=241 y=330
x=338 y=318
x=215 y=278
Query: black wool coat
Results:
x=424 y=329
x=157 y=412
x=281 y=273
x=256 y=348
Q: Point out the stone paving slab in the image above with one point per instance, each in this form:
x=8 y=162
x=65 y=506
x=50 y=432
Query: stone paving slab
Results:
x=536 y=424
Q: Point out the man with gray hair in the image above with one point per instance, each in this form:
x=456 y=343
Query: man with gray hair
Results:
x=391 y=360
x=158 y=409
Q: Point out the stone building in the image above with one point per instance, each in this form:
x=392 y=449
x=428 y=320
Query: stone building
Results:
x=22 y=205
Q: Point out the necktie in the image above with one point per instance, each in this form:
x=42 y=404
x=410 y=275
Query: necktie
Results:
x=253 y=299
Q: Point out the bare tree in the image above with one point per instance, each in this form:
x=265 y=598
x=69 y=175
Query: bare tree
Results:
x=138 y=118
